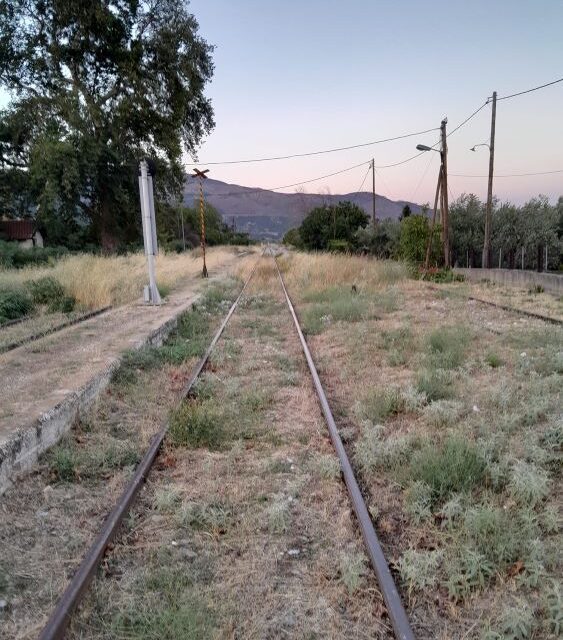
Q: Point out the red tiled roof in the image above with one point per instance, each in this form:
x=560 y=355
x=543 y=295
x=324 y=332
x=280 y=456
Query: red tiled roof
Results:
x=17 y=229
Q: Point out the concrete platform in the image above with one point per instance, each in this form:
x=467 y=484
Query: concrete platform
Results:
x=46 y=384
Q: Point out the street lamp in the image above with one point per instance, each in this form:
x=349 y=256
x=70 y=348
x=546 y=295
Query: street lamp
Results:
x=482 y=144
x=423 y=147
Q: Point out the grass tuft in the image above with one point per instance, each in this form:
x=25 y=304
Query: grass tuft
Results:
x=197 y=424
x=454 y=467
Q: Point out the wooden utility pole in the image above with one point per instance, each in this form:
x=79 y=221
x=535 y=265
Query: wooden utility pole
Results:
x=489 y=209
x=431 y=234
x=373 y=190
x=201 y=177
x=444 y=188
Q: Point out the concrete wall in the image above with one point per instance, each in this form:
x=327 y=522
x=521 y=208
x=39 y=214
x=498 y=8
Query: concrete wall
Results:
x=551 y=282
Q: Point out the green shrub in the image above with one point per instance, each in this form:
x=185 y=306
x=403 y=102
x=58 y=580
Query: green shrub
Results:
x=62 y=462
x=379 y=405
x=419 y=569
x=373 y=451
x=196 y=424
x=14 y=304
x=447 y=347
x=493 y=360
x=435 y=384
x=45 y=290
x=528 y=484
x=454 y=467
x=352 y=570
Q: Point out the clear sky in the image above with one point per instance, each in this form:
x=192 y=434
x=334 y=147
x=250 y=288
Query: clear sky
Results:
x=300 y=75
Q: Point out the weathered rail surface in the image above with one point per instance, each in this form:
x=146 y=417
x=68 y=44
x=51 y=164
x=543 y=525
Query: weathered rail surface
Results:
x=60 y=618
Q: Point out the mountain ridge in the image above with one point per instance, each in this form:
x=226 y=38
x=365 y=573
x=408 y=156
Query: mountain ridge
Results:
x=267 y=215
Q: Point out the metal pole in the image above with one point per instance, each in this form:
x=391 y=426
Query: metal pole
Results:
x=202 y=226
x=373 y=189
x=500 y=258
x=488 y=211
x=545 y=267
x=522 y=258
x=445 y=207
x=154 y=295
x=183 y=233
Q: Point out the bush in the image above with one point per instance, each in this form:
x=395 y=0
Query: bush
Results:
x=45 y=290
x=447 y=347
x=49 y=291
x=196 y=424
x=454 y=467
x=435 y=384
x=14 y=304
x=13 y=256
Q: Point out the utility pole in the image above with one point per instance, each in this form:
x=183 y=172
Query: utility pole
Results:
x=201 y=177
x=373 y=190
x=488 y=211
x=152 y=294
x=444 y=199
x=431 y=234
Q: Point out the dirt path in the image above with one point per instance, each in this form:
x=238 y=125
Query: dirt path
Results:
x=38 y=376
x=244 y=529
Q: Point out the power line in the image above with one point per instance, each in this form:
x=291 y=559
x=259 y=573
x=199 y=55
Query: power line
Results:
x=315 y=153
x=287 y=186
x=520 y=93
x=354 y=193
x=467 y=119
x=507 y=175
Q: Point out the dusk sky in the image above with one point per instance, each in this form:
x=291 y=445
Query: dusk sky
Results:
x=298 y=76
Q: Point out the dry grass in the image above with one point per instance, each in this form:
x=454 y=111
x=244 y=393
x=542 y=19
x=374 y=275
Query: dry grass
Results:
x=99 y=281
x=256 y=540
x=308 y=272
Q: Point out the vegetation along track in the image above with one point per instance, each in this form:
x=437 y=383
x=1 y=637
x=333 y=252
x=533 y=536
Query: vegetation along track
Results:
x=73 y=594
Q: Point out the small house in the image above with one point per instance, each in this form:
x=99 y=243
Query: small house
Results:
x=21 y=231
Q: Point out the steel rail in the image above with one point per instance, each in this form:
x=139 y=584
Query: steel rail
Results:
x=395 y=609
x=60 y=617
x=43 y=334
x=504 y=307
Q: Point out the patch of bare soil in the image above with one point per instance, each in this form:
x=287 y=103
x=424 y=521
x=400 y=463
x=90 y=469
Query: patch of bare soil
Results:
x=247 y=531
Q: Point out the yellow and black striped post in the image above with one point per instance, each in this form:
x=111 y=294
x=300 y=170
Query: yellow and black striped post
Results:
x=201 y=176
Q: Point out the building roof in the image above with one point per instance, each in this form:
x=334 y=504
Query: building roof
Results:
x=17 y=229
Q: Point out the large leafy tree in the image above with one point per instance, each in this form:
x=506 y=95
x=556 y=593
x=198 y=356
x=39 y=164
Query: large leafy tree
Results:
x=96 y=86
x=327 y=224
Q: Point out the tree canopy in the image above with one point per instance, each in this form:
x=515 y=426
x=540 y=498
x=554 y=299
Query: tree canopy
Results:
x=95 y=87
x=334 y=224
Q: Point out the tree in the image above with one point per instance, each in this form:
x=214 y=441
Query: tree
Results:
x=293 y=238
x=415 y=231
x=337 y=222
x=99 y=85
x=467 y=224
x=405 y=213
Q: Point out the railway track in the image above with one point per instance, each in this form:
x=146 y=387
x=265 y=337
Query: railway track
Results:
x=78 y=586
x=504 y=307
x=47 y=332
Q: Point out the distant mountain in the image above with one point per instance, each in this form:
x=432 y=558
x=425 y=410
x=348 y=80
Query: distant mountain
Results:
x=267 y=215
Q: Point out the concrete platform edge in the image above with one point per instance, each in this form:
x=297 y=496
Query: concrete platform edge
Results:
x=23 y=448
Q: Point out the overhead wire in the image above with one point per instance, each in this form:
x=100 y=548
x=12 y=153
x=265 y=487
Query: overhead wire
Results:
x=507 y=175
x=288 y=186
x=521 y=93
x=314 y=153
